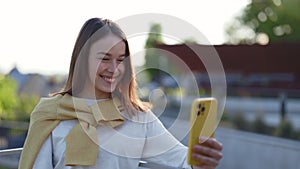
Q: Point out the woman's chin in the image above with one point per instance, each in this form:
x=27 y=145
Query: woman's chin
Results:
x=105 y=90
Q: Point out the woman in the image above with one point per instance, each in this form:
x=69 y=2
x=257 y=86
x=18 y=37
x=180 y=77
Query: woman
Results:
x=97 y=120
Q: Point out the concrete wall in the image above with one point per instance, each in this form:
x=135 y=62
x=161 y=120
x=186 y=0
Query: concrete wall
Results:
x=243 y=150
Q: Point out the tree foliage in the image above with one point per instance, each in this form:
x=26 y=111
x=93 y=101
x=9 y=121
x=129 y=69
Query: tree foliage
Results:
x=14 y=106
x=266 y=21
x=8 y=97
x=151 y=55
x=154 y=36
x=26 y=104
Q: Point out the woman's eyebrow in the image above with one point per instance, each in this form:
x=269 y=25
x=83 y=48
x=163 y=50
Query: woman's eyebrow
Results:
x=109 y=54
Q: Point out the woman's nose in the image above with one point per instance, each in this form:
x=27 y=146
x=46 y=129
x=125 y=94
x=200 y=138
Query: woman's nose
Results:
x=112 y=66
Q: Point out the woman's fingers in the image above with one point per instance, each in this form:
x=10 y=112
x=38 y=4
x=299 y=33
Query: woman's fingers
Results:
x=205 y=160
x=210 y=142
x=208 y=151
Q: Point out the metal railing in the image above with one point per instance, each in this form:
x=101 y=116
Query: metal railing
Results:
x=12 y=151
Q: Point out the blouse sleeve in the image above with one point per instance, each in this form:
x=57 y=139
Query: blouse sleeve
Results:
x=44 y=157
x=162 y=148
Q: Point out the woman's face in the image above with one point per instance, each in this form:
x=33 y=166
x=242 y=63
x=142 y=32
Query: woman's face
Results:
x=105 y=66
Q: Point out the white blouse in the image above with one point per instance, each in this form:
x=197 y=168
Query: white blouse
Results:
x=140 y=138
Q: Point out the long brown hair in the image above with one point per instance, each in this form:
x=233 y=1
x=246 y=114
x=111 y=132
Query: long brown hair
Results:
x=126 y=89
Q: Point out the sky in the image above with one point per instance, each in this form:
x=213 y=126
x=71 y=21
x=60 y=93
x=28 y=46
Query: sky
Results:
x=38 y=36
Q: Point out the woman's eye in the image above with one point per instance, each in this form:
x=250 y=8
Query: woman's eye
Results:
x=104 y=59
x=120 y=60
x=108 y=59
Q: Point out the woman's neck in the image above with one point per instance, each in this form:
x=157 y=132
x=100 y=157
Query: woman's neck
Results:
x=93 y=95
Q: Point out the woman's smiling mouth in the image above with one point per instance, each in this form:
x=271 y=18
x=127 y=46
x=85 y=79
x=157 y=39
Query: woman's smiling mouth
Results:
x=108 y=79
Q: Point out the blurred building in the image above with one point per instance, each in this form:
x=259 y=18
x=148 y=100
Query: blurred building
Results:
x=36 y=84
x=266 y=70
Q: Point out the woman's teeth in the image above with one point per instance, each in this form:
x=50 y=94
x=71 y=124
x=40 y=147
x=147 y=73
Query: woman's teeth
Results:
x=109 y=79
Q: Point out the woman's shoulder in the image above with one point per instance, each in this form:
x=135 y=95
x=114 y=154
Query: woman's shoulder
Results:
x=48 y=101
x=45 y=107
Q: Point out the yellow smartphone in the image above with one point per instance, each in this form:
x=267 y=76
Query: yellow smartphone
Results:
x=202 y=123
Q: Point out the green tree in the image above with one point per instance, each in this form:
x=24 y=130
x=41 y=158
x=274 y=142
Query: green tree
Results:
x=12 y=105
x=154 y=36
x=26 y=104
x=8 y=97
x=266 y=21
x=151 y=55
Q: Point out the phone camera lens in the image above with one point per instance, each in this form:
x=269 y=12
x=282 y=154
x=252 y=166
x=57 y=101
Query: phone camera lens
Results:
x=202 y=109
x=199 y=106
